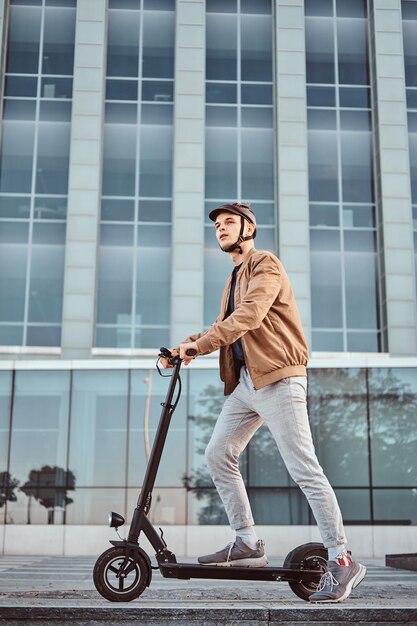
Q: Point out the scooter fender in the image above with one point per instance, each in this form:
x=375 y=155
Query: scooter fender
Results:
x=133 y=549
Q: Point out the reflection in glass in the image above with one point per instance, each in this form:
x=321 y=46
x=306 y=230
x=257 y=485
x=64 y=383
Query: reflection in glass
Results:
x=326 y=287
x=257 y=164
x=158 y=45
x=352 y=42
x=221 y=47
x=322 y=160
x=357 y=170
x=393 y=414
x=13 y=261
x=123 y=43
x=16 y=156
x=410 y=52
x=395 y=506
x=53 y=158
x=58 y=41
x=119 y=160
x=97 y=453
x=221 y=163
x=155 y=172
x=256 y=48
x=319 y=50
x=153 y=287
x=23 y=40
x=115 y=285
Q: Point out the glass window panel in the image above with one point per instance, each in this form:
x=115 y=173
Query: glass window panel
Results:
x=359 y=97
x=121 y=114
x=326 y=290
x=357 y=170
x=43 y=336
x=355 y=505
x=121 y=89
x=361 y=290
x=155 y=211
x=412 y=122
x=256 y=117
x=114 y=302
x=61 y=3
x=14 y=233
x=19 y=109
x=355 y=120
x=410 y=53
x=321 y=96
x=337 y=405
x=23 y=40
x=49 y=233
x=221 y=47
x=5 y=404
x=58 y=41
x=26 y=2
x=318 y=7
x=411 y=98
x=160 y=5
x=221 y=6
x=324 y=215
x=157 y=114
x=221 y=163
x=148 y=390
x=53 y=158
x=14 y=206
x=50 y=208
x=169 y=505
x=216 y=270
x=13 y=261
x=116 y=235
x=265 y=239
x=221 y=116
x=255 y=6
x=352 y=43
x=124 y=4
x=119 y=160
x=265 y=212
x=54 y=87
x=150 y=337
x=321 y=119
x=118 y=210
x=320 y=50
x=256 y=48
x=55 y=111
x=91 y=506
x=323 y=174
x=256 y=94
x=257 y=164
x=393 y=414
x=99 y=407
x=409 y=9
x=158 y=45
x=327 y=341
x=158 y=90
x=363 y=342
x=155 y=171
x=21 y=86
x=221 y=92
x=279 y=506
x=351 y=8
x=398 y=506
x=358 y=216
x=16 y=156
x=123 y=43
x=153 y=288
x=205 y=507
x=412 y=140
x=46 y=284
x=40 y=429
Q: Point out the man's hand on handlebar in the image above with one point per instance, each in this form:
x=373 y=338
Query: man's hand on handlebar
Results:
x=181 y=351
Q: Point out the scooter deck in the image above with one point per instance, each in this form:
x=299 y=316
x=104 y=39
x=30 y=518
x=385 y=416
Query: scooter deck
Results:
x=187 y=571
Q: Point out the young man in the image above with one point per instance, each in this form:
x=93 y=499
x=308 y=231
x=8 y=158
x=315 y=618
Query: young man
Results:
x=263 y=358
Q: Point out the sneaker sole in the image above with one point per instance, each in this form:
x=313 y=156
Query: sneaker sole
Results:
x=352 y=584
x=259 y=562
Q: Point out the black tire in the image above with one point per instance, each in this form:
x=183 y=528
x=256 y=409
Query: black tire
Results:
x=311 y=556
x=114 y=588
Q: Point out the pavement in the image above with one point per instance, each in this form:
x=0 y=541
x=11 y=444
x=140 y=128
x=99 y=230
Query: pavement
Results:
x=60 y=591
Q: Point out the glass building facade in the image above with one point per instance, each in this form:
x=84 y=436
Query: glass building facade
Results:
x=124 y=122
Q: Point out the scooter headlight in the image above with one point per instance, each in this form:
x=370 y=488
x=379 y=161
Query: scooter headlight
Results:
x=115 y=520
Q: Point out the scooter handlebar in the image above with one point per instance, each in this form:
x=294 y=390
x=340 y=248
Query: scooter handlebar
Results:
x=165 y=353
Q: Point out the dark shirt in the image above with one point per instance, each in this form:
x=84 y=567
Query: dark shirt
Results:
x=237 y=347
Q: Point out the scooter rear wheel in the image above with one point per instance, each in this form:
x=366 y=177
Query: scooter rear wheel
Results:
x=310 y=556
x=114 y=587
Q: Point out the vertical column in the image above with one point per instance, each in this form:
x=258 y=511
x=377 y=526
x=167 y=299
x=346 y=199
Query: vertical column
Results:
x=187 y=295
x=84 y=188
x=292 y=162
x=393 y=177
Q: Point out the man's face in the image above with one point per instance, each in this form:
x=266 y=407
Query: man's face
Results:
x=227 y=227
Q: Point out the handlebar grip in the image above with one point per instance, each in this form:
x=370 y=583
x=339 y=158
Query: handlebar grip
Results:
x=191 y=352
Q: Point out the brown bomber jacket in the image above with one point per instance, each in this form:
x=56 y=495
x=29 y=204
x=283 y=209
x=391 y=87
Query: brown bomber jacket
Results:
x=266 y=318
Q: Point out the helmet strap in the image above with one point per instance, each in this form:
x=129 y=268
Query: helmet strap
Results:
x=236 y=246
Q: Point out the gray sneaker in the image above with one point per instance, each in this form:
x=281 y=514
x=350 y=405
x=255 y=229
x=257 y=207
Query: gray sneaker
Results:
x=338 y=581
x=237 y=554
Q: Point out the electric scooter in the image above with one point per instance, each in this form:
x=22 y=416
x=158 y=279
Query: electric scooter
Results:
x=123 y=572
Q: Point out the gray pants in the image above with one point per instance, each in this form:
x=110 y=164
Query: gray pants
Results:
x=282 y=407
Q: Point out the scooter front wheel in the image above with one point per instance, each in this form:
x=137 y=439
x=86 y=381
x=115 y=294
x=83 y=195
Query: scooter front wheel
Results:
x=118 y=586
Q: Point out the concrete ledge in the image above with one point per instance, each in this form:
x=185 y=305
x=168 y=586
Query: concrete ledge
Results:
x=402 y=561
x=232 y=614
